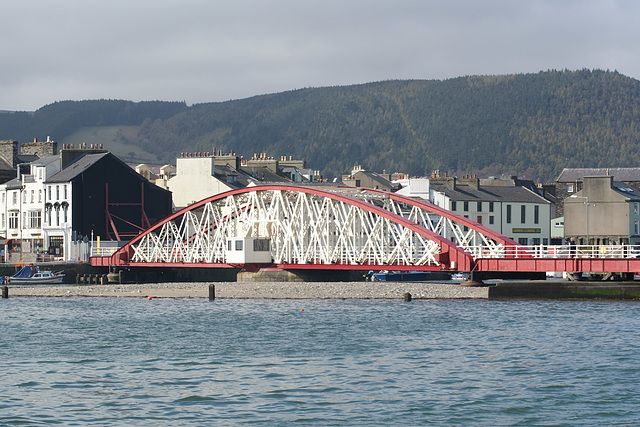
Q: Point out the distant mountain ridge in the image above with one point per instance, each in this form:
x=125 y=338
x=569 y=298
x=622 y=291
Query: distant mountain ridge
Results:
x=532 y=125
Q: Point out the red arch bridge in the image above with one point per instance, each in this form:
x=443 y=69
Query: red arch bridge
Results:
x=293 y=227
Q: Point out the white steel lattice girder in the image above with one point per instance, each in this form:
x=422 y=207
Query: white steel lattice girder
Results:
x=463 y=232
x=305 y=226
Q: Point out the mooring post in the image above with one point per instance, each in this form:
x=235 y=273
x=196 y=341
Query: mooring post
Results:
x=212 y=292
x=5 y=292
x=407 y=297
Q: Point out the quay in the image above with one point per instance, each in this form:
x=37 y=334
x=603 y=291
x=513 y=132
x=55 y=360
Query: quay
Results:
x=340 y=290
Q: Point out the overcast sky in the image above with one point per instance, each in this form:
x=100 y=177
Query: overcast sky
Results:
x=215 y=50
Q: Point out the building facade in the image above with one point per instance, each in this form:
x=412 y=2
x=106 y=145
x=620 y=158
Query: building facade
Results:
x=514 y=211
x=603 y=212
x=77 y=196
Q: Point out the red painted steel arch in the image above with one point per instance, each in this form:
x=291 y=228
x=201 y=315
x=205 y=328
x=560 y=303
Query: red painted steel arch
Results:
x=449 y=251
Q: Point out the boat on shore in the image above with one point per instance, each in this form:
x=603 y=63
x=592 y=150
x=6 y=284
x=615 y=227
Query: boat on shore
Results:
x=400 y=276
x=460 y=277
x=31 y=275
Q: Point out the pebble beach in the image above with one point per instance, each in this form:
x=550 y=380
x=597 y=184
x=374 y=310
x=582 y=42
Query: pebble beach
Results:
x=263 y=290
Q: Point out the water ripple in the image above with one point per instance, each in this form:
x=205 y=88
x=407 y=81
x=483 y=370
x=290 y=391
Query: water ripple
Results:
x=110 y=361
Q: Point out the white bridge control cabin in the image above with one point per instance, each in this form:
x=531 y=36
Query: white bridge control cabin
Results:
x=248 y=250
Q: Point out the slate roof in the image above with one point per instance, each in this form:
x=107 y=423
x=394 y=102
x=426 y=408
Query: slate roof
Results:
x=222 y=172
x=77 y=167
x=624 y=189
x=261 y=174
x=47 y=160
x=619 y=174
x=490 y=194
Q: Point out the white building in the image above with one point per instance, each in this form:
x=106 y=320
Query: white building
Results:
x=196 y=179
x=414 y=187
x=513 y=210
x=22 y=205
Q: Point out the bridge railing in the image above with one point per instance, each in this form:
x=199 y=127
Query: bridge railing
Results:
x=557 y=251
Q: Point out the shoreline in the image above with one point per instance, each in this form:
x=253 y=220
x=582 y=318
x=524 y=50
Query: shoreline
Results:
x=258 y=290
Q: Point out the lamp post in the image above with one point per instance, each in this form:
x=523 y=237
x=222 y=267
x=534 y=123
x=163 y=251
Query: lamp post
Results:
x=586 y=206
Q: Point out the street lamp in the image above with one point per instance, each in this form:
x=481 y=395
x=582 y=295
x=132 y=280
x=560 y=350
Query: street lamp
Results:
x=586 y=206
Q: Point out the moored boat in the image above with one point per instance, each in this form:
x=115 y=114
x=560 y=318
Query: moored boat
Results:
x=401 y=276
x=31 y=275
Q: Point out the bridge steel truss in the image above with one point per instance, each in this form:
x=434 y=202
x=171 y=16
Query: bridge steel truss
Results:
x=314 y=228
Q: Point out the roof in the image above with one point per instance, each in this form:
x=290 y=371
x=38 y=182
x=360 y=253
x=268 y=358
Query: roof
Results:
x=262 y=174
x=5 y=166
x=77 y=167
x=27 y=158
x=619 y=174
x=490 y=194
x=240 y=179
x=628 y=192
x=47 y=160
x=376 y=177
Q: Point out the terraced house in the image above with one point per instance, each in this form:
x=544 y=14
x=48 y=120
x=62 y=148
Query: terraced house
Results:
x=504 y=205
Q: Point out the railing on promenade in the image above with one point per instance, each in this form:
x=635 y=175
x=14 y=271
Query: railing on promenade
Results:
x=557 y=251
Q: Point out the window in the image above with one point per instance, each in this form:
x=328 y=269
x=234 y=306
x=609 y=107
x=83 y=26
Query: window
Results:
x=33 y=196
x=261 y=245
x=491 y=220
x=39 y=196
x=466 y=206
x=57 y=192
x=535 y=241
x=523 y=214
x=490 y=206
x=35 y=219
x=49 y=188
x=523 y=240
x=15 y=197
x=65 y=191
x=545 y=241
x=24 y=197
x=13 y=220
x=636 y=208
x=479 y=219
x=238 y=245
x=65 y=211
x=508 y=214
x=3 y=219
x=570 y=188
x=453 y=205
x=479 y=206
x=536 y=214
x=636 y=227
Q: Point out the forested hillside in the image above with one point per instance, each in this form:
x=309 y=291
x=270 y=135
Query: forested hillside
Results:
x=532 y=125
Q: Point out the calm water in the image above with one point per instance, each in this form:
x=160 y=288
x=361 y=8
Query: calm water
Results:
x=103 y=361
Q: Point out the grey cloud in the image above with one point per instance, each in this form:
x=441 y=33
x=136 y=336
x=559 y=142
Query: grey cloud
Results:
x=203 y=51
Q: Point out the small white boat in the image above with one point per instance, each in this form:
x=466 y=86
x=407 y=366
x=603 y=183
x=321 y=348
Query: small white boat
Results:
x=30 y=275
x=459 y=277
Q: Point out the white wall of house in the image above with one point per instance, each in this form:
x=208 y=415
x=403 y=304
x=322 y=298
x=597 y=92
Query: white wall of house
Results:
x=532 y=229
x=194 y=181
x=525 y=226
x=56 y=223
x=414 y=187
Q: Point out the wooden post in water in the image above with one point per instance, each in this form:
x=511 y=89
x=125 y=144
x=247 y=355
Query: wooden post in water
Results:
x=5 y=292
x=212 y=292
x=407 y=297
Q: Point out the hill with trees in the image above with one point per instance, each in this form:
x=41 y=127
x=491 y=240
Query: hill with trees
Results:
x=532 y=125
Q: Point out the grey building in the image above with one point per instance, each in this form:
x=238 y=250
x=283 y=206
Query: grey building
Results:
x=604 y=211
